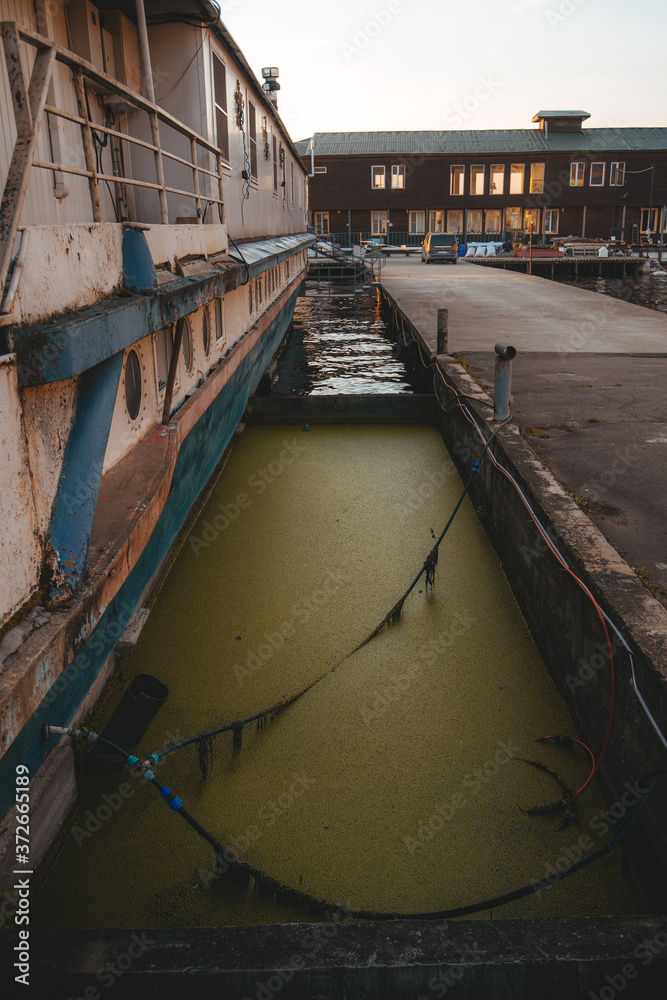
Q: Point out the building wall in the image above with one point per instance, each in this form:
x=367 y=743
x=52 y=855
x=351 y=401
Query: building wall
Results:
x=345 y=190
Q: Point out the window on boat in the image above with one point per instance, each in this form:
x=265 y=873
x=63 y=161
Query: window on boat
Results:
x=250 y=302
x=252 y=139
x=377 y=177
x=476 y=180
x=378 y=223
x=493 y=220
x=577 y=171
x=436 y=221
x=275 y=164
x=550 y=220
x=416 y=222
x=187 y=343
x=220 y=88
x=617 y=174
x=497 y=185
x=398 y=175
x=456 y=179
x=455 y=221
x=513 y=218
x=132 y=384
x=164 y=345
x=597 y=174
x=219 y=326
x=531 y=220
x=517 y=171
x=206 y=331
x=536 y=178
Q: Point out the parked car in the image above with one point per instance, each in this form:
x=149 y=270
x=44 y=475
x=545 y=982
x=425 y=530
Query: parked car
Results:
x=440 y=246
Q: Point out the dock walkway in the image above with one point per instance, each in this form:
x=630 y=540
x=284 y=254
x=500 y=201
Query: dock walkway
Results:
x=588 y=386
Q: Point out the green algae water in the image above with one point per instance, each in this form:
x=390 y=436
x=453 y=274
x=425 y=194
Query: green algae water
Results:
x=394 y=784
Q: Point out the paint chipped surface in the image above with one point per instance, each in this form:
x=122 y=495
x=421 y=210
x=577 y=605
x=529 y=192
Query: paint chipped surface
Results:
x=395 y=783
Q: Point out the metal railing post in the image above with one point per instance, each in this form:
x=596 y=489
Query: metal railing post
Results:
x=88 y=151
x=195 y=177
x=159 y=167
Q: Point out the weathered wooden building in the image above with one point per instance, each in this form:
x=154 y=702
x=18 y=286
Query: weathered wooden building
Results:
x=555 y=179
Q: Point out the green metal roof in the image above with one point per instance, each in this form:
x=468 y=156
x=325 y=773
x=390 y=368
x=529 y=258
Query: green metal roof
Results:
x=522 y=140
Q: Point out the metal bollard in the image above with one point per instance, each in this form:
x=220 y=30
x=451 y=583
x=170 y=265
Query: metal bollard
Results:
x=503 y=384
x=443 y=322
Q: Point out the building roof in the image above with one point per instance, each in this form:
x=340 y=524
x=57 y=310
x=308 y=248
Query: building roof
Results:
x=561 y=114
x=484 y=141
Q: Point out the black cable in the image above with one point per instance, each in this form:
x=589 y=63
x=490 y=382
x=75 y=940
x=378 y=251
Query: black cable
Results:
x=247 y=266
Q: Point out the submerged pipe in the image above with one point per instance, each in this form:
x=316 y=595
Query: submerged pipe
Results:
x=134 y=713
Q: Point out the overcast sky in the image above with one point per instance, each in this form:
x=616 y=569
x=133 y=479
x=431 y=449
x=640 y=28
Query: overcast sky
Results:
x=357 y=65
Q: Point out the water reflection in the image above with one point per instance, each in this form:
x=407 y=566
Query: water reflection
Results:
x=339 y=344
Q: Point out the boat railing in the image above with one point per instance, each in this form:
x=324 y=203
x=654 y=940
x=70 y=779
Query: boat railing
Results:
x=29 y=101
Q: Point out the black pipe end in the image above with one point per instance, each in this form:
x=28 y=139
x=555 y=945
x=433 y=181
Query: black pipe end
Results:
x=44 y=734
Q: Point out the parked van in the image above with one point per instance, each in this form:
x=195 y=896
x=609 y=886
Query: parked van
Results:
x=440 y=246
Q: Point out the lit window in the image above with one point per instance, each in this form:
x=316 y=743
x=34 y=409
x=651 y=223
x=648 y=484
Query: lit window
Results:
x=377 y=177
x=476 y=180
x=493 y=220
x=531 y=220
x=398 y=176
x=220 y=87
x=517 y=171
x=417 y=221
x=617 y=174
x=577 y=171
x=455 y=221
x=321 y=222
x=436 y=221
x=513 y=218
x=597 y=174
x=474 y=221
x=497 y=178
x=536 y=178
x=456 y=179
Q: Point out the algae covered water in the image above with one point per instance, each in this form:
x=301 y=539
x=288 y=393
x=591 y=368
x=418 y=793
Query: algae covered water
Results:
x=397 y=782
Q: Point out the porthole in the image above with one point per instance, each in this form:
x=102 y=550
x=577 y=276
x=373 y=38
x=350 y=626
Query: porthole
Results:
x=133 y=385
x=187 y=344
x=206 y=332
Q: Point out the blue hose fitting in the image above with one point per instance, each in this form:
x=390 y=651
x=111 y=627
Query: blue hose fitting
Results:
x=131 y=761
x=92 y=737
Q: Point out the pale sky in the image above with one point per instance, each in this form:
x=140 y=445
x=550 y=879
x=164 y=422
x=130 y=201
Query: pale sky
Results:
x=374 y=65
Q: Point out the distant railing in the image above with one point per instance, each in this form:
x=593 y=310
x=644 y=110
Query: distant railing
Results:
x=399 y=239
x=29 y=103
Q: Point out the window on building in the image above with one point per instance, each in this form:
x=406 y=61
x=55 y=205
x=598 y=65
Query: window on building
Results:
x=398 y=175
x=275 y=164
x=577 y=171
x=436 y=221
x=252 y=139
x=377 y=177
x=497 y=185
x=455 y=221
x=378 y=223
x=221 y=123
x=493 y=220
x=456 y=179
x=536 y=178
x=597 y=174
x=474 y=220
x=551 y=220
x=649 y=220
x=476 y=180
x=321 y=222
x=417 y=221
x=513 y=218
x=531 y=220
x=517 y=171
x=617 y=174
x=320 y=170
